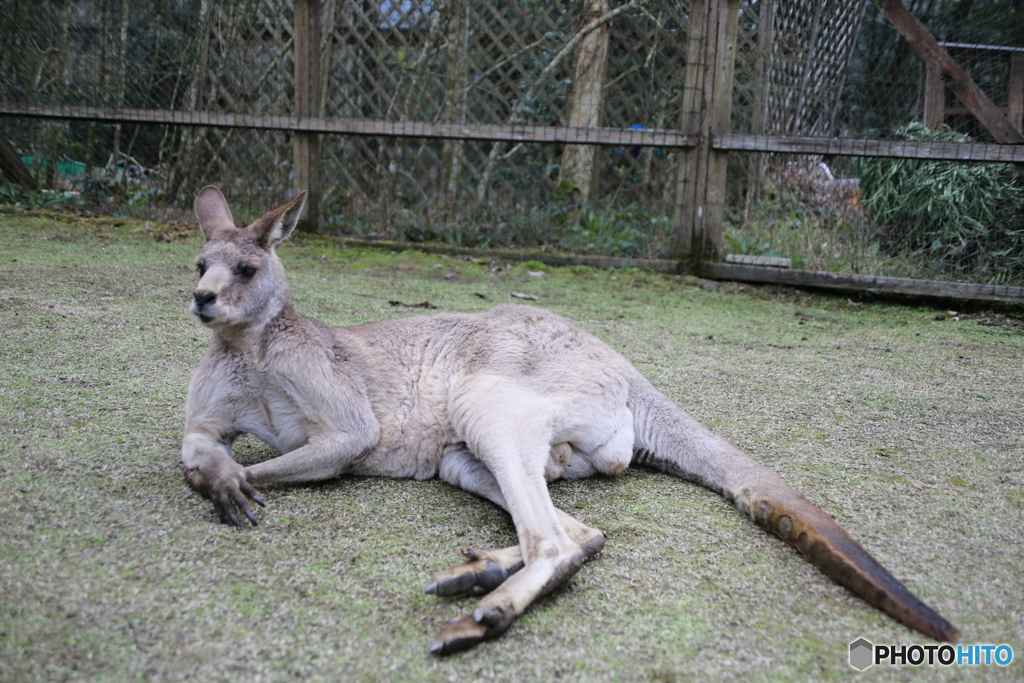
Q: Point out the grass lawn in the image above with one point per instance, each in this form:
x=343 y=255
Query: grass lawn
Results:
x=907 y=428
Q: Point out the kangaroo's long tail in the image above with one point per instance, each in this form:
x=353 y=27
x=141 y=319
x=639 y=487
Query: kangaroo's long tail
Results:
x=669 y=440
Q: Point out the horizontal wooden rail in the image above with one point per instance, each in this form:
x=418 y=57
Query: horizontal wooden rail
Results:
x=907 y=149
x=855 y=147
x=875 y=283
x=349 y=126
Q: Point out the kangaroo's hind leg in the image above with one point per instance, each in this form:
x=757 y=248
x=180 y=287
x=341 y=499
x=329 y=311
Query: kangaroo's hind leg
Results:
x=485 y=570
x=510 y=430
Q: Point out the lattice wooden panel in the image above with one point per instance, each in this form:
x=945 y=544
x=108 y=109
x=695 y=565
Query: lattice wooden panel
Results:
x=482 y=62
x=808 y=60
x=249 y=64
x=251 y=166
x=643 y=87
x=792 y=59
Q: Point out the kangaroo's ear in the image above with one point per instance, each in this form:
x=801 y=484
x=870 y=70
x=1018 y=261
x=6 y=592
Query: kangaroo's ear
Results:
x=213 y=212
x=276 y=226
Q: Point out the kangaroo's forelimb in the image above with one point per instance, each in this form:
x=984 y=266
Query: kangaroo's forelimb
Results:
x=211 y=470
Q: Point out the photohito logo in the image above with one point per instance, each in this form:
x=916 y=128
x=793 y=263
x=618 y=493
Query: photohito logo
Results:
x=864 y=654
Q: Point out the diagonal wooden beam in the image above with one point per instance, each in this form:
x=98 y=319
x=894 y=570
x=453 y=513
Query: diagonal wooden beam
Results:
x=961 y=84
x=11 y=166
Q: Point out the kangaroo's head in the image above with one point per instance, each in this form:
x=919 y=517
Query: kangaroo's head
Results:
x=241 y=279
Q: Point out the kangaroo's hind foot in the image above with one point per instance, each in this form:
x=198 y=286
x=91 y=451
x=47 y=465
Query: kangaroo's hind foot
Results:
x=482 y=572
x=548 y=569
x=485 y=570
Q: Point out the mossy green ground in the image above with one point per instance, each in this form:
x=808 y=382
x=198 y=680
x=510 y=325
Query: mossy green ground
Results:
x=907 y=429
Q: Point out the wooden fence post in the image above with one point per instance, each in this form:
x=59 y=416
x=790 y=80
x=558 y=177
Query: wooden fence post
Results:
x=688 y=213
x=721 y=122
x=1015 y=100
x=587 y=100
x=707 y=107
x=306 y=146
x=934 y=94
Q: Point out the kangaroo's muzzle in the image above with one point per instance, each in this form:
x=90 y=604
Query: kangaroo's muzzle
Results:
x=201 y=298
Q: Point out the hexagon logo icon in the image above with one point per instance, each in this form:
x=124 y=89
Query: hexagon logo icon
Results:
x=862 y=654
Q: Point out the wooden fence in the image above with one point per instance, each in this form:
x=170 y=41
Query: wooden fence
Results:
x=721 y=39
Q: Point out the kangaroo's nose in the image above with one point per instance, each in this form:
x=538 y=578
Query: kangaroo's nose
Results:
x=203 y=297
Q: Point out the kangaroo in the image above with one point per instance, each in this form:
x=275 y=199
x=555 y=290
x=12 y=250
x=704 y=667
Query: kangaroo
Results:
x=497 y=403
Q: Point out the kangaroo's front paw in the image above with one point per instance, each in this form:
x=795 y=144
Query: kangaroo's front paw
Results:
x=229 y=490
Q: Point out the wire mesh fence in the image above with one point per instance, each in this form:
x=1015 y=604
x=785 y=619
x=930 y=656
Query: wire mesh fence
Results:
x=828 y=71
x=858 y=77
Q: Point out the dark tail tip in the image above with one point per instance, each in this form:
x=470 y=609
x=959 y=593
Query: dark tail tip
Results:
x=937 y=627
x=838 y=556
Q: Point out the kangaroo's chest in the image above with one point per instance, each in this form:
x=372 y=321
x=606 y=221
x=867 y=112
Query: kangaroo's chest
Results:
x=268 y=408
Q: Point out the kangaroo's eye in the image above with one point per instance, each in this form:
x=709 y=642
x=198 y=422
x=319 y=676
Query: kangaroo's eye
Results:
x=246 y=271
x=201 y=269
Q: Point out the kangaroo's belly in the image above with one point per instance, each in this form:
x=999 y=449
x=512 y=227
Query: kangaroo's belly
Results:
x=415 y=432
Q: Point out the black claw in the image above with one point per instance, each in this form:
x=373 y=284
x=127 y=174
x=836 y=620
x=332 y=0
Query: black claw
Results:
x=252 y=519
x=456 y=586
x=259 y=501
x=234 y=520
x=449 y=643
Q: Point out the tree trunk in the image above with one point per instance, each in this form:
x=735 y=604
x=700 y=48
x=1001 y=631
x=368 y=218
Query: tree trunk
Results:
x=122 y=67
x=101 y=86
x=56 y=128
x=586 y=102
x=455 y=101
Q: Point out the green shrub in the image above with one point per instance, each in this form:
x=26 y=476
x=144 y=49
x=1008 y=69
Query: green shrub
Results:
x=968 y=217
x=627 y=231
x=11 y=194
